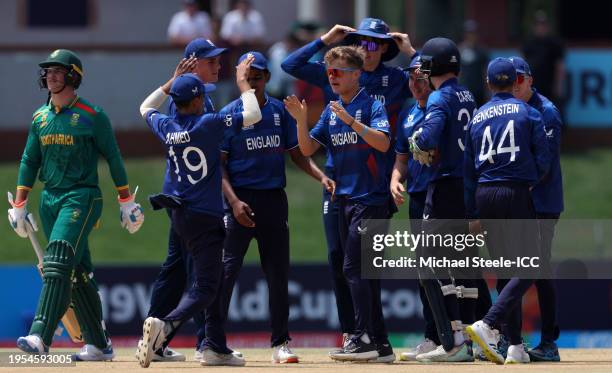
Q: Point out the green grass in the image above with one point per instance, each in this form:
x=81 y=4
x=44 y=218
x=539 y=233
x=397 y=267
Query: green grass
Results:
x=587 y=181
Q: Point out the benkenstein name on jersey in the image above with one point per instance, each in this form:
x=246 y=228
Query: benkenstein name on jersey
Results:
x=174 y=138
x=343 y=138
x=262 y=142
x=496 y=111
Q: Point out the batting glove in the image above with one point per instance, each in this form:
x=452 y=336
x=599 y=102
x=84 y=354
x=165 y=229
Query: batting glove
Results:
x=131 y=213
x=20 y=219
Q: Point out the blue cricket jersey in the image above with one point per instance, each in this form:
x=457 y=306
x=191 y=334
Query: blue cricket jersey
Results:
x=193 y=158
x=388 y=85
x=505 y=142
x=256 y=154
x=548 y=193
x=360 y=169
x=418 y=175
x=449 y=110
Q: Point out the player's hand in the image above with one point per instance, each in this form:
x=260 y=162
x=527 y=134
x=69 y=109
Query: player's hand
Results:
x=336 y=34
x=340 y=112
x=475 y=227
x=242 y=70
x=186 y=65
x=330 y=186
x=21 y=221
x=403 y=42
x=298 y=109
x=424 y=157
x=131 y=213
x=397 y=191
x=243 y=213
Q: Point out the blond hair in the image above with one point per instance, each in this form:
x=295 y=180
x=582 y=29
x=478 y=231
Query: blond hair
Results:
x=353 y=56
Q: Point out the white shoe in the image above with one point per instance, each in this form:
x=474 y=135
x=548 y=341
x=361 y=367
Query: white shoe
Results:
x=458 y=354
x=487 y=339
x=93 y=353
x=198 y=356
x=426 y=346
x=517 y=355
x=153 y=337
x=32 y=344
x=282 y=354
x=212 y=358
x=168 y=354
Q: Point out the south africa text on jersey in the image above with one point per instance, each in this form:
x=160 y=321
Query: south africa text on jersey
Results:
x=57 y=139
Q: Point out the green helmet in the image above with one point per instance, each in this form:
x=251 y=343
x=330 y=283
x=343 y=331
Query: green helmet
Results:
x=67 y=59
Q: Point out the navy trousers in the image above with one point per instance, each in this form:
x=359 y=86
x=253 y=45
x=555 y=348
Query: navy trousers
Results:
x=175 y=276
x=517 y=235
x=547 y=296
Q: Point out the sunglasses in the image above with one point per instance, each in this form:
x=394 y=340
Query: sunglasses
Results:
x=520 y=78
x=369 y=45
x=338 y=72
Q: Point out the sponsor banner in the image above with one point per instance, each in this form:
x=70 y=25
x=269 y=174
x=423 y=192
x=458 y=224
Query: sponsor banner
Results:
x=584 y=308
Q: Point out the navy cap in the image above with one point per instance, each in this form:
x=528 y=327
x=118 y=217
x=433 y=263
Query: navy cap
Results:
x=375 y=28
x=501 y=71
x=520 y=65
x=188 y=86
x=202 y=48
x=260 y=62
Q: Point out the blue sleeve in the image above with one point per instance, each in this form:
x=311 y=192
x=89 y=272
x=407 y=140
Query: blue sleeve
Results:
x=220 y=125
x=229 y=131
x=552 y=127
x=157 y=122
x=378 y=119
x=539 y=143
x=470 y=180
x=289 y=130
x=401 y=142
x=433 y=124
x=171 y=111
x=320 y=132
x=298 y=64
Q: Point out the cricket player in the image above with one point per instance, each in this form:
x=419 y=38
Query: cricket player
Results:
x=506 y=152
x=417 y=177
x=355 y=130
x=548 y=202
x=66 y=138
x=383 y=83
x=192 y=139
x=253 y=162
x=438 y=142
x=177 y=270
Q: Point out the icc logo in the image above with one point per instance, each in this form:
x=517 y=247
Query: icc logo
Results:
x=332 y=119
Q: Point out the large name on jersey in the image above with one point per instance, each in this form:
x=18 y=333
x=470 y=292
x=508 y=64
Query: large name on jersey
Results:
x=344 y=138
x=262 y=142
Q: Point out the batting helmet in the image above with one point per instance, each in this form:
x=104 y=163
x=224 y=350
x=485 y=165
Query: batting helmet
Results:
x=66 y=59
x=440 y=56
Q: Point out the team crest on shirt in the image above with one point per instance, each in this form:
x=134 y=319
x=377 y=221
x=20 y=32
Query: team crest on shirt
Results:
x=74 y=120
x=385 y=80
x=332 y=119
x=76 y=213
x=358 y=115
x=409 y=121
x=277 y=119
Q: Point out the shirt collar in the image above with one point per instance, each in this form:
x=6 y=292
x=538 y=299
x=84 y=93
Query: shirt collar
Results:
x=535 y=98
x=56 y=109
x=449 y=82
x=354 y=97
x=502 y=96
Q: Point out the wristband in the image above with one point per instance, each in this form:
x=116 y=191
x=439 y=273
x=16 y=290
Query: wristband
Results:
x=363 y=131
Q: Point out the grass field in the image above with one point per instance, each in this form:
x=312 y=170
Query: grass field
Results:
x=316 y=360
x=587 y=179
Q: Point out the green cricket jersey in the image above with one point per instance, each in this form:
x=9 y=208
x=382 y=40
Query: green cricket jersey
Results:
x=65 y=143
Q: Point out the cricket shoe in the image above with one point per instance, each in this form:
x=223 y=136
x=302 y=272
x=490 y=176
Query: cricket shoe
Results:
x=212 y=358
x=487 y=338
x=545 y=351
x=198 y=355
x=282 y=354
x=346 y=338
x=426 y=346
x=153 y=337
x=93 y=353
x=385 y=353
x=32 y=344
x=517 y=355
x=358 y=349
x=164 y=354
x=458 y=354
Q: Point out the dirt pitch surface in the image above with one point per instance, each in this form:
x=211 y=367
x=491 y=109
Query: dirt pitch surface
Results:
x=316 y=360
